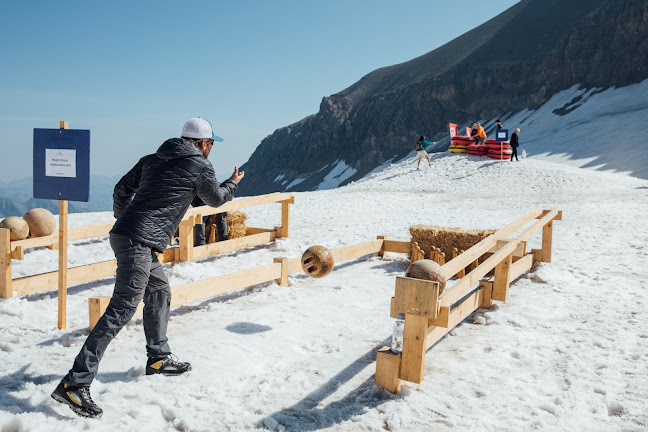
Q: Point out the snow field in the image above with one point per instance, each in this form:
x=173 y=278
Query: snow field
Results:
x=566 y=352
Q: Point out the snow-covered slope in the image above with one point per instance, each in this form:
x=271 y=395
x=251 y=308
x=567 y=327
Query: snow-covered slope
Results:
x=589 y=128
x=566 y=352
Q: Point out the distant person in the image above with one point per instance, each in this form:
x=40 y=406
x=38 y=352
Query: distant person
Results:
x=420 y=150
x=148 y=202
x=515 y=142
x=478 y=135
x=199 y=229
x=499 y=124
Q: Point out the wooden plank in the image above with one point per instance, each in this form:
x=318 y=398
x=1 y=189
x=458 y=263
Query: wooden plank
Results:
x=37 y=241
x=416 y=297
x=355 y=251
x=388 y=370
x=200 y=290
x=211 y=249
x=252 y=230
x=172 y=255
x=443 y=317
x=398 y=246
x=558 y=215
x=212 y=287
x=186 y=240
x=285 y=220
x=294 y=265
x=414 y=347
x=521 y=266
x=90 y=231
x=5 y=263
x=239 y=203
x=547 y=237
x=417 y=253
x=449 y=295
x=502 y=279
x=96 y=308
x=453 y=266
x=74 y=233
x=382 y=253
x=458 y=313
x=283 y=280
x=62 y=270
x=537 y=255
x=518 y=252
x=76 y=275
x=487 y=298
x=18 y=253
x=529 y=232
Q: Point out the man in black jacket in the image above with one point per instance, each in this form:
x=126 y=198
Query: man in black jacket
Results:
x=149 y=203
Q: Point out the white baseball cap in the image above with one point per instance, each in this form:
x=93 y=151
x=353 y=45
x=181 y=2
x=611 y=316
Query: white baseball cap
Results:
x=199 y=128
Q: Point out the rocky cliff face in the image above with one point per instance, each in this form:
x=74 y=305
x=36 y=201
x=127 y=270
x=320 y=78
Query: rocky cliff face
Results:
x=517 y=60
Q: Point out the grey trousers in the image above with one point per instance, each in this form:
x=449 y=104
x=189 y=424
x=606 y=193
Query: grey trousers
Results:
x=139 y=276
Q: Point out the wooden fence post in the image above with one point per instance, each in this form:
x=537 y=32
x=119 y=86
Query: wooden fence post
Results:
x=417 y=252
x=547 y=235
x=5 y=263
x=414 y=339
x=462 y=272
x=502 y=279
x=388 y=370
x=62 y=270
x=186 y=239
x=284 y=229
x=62 y=261
x=96 y=308
x=418 y=300
x=382 y=253
x=283 y=280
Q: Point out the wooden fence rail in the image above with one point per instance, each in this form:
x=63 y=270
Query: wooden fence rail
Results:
x=185 y=251
x=429 y=316
x=278 y=271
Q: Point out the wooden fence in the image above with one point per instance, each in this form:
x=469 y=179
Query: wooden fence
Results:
x=429 y=316
x=185 y=251
x=278 y=271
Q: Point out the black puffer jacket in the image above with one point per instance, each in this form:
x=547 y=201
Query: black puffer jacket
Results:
x=164 y=184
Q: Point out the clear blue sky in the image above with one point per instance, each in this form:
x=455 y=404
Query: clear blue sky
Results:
x=134 y=71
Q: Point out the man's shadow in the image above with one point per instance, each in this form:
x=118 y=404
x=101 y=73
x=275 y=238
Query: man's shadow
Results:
x=305 y=414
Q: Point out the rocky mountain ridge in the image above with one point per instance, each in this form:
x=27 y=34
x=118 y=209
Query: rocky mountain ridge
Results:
x=515 y=61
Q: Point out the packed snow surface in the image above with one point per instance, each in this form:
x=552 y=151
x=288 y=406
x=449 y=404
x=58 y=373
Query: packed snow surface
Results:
x=567 y=351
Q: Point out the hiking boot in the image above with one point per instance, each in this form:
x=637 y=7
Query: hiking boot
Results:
x=78 y=399
x=168 y=365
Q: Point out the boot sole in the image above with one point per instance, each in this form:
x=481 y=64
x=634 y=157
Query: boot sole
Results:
x=75 y=408
x=167 y=373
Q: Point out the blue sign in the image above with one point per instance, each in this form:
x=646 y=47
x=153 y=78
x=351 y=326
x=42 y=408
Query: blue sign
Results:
x=501 y=135
x=62 y=164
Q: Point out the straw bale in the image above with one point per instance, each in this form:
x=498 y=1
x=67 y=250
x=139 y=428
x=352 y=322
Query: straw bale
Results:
x=445 y=239
x=236 y=226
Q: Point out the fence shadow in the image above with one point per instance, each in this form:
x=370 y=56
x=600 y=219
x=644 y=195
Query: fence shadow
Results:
x=305 y=415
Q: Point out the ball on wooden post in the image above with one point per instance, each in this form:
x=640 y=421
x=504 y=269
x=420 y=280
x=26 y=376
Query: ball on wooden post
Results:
x=317 y=261
x=41 y=222
x=427 y=270
x=18 y=228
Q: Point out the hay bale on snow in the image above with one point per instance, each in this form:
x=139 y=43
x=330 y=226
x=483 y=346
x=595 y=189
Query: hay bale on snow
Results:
x=446 y=238
x=236 y=226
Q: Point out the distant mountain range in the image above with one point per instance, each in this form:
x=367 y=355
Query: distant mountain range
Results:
x=515 y=62
x=16 y=197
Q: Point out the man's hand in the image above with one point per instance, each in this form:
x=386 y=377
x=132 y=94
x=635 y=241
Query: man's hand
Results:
x=238 y=175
